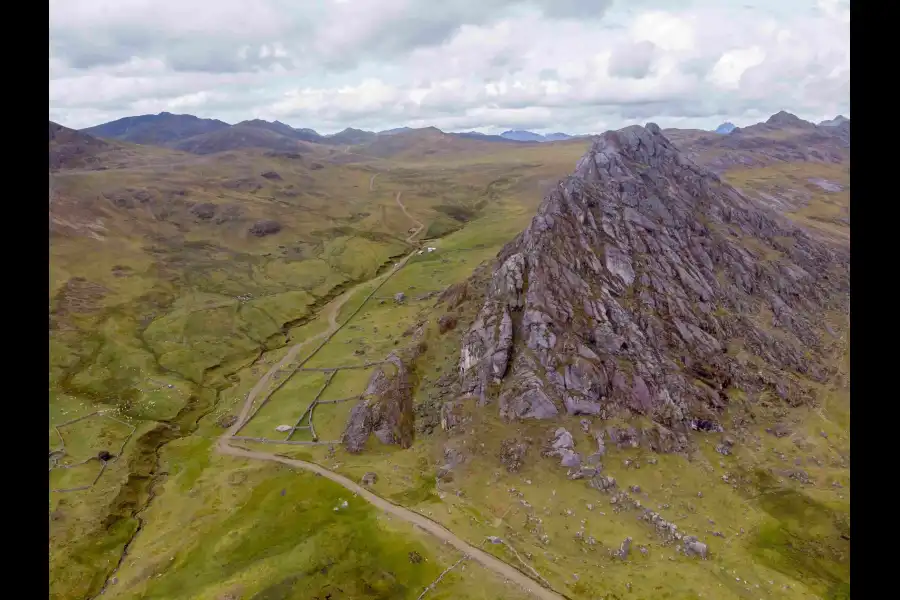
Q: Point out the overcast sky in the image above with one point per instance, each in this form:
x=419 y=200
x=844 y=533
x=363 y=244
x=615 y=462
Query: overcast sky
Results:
x=578 y=66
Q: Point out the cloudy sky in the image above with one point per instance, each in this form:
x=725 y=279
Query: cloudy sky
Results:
x=579 y=66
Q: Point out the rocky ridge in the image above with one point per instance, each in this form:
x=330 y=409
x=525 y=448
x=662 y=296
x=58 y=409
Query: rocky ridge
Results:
x=623 y=294
x=783 y=138
x=385 y=409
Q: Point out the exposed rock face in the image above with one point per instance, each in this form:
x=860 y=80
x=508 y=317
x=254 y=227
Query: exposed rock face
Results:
x=385 y=410
x=624 y=549
x=692 y=547
x=620 y=297
x=562 y=445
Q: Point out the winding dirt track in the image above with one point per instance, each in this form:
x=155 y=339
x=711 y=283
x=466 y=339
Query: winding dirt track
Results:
x=223 y=446
x=480 y=556
x=419 y=224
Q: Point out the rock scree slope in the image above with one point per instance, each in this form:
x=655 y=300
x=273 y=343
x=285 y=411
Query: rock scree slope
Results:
x=645 y=286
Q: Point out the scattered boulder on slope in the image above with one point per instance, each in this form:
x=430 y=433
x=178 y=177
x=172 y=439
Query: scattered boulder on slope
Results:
x=265 y=227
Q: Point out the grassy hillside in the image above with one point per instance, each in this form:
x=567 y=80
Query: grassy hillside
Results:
x=169 y=284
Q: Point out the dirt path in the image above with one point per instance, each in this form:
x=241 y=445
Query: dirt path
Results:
x=333 y=309
x=419 y=224
x=372 y=181
x=486 y=560
x=223 y=447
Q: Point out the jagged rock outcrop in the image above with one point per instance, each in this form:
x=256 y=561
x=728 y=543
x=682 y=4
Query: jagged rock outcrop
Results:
x=386 y=410
x=622 y=295
x=562 y=445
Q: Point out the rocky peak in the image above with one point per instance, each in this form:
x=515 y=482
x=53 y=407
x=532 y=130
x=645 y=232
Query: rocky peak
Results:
x=786 y=119
x=725 y=128
x=622 y=295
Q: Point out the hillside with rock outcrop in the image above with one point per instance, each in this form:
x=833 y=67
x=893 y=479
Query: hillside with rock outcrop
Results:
x=782 y=139
x=385 y=409
x=647 y=287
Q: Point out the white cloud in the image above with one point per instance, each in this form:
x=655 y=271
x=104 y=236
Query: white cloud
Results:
x=633 y=60
x=549 y=65
x=730 y=67
x=672 y=33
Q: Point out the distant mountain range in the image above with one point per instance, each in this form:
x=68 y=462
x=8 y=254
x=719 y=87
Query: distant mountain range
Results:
x=204 y=136
x=528 y=136
x=476 y=135
x=207 y=136
x=786 y=119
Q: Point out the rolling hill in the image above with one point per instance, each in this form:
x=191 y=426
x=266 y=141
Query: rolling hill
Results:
x=70 y=148
x=245 y=135
x=427 y=143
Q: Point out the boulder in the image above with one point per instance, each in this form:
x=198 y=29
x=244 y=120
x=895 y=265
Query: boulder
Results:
x=265 y=227
x=694 y=547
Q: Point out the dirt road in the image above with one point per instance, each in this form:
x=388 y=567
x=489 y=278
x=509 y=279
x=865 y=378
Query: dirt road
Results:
x=333 y=309
x=223 y=447
x=486 y=560
x=419 y=224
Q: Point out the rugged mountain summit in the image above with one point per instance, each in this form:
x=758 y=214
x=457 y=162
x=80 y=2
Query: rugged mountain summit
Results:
x=164 y=129
x=647 y=286
x=786 y=119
